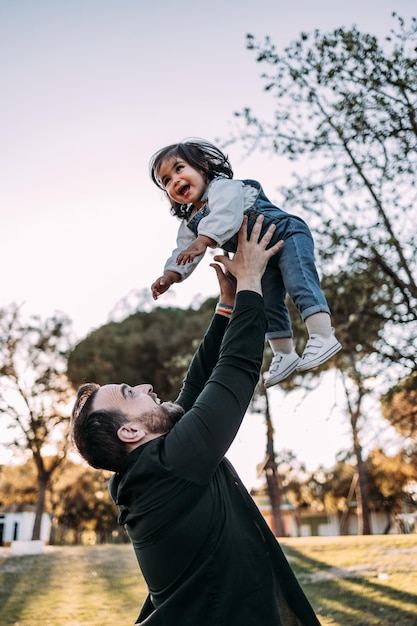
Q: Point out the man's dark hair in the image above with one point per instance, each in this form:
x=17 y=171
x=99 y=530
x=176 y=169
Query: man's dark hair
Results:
x=201 y=155
x=95 y=432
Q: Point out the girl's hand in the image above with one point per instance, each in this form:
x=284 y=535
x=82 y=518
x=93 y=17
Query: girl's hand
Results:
x=164 y=282
x=189 y=254
x=195 y=249
x=160 y=286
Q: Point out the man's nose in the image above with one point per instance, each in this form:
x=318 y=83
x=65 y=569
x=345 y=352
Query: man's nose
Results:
x=144 y=388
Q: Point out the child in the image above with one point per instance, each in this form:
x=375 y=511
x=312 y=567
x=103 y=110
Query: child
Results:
x=198 y=180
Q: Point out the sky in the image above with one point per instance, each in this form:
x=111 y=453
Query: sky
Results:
x=90 y=90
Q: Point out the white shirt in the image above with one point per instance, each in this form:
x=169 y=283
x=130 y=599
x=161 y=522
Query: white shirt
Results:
x=227 y=200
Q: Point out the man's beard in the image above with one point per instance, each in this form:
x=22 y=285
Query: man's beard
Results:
x=163 y=417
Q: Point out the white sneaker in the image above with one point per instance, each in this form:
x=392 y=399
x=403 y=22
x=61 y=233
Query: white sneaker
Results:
x=318 y=350
x=282 y=365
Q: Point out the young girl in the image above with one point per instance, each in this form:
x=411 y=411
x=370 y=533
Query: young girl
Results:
x=198 y=180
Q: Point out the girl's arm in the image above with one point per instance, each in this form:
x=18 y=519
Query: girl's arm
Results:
x=185 y=238
x=195 y=249
x=174 y=273
x=226 y=201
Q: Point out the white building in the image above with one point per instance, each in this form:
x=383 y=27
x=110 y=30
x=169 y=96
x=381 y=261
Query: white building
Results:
x=17 y=525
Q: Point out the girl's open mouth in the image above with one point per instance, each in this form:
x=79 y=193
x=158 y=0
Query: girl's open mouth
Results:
x=183 y=190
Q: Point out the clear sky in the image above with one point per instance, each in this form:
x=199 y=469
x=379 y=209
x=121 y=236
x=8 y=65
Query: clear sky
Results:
x=90 y=89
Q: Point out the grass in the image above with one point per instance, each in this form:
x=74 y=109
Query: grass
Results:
x=71 y=586
x=350 y=581
x=358 y=581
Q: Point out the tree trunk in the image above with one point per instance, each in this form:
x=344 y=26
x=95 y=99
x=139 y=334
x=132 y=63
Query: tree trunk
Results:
x=362 y=490
x=40 y=507
x=271 y=474
x=344 y=522
x=354 y=404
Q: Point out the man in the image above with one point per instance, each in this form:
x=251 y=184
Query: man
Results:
x=207 y=555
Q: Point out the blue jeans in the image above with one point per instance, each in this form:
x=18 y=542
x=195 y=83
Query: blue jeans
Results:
x=291 y=271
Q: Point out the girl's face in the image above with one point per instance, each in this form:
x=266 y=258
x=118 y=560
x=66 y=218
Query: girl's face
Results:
x=182 y=182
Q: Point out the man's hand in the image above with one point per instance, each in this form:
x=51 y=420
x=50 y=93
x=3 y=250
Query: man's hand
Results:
x=249 y=263
x=227 y=284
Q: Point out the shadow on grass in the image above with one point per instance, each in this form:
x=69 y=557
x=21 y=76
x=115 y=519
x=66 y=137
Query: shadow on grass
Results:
x=87 y=585
x=20 y=578
x=130 y=582
x=341 y=597
x=349 y=599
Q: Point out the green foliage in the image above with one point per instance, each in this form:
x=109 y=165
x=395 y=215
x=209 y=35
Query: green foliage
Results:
x=18 y=485
x=399 y=406
x=78 y=500
x=331 y=487
x=153 y=347
x=344 y=110
x=82 y=503
x=390 y=478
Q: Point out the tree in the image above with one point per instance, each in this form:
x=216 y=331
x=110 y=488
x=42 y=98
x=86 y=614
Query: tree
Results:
x=334 y=489
x=345 y=112
x=360 y=314
x=34 y=392
x=81 y=503
x=18 y=485
x=154 y=347
x=78 y=500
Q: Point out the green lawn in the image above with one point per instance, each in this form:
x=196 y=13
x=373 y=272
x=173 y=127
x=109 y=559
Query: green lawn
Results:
x=358 y=581
x=351 y=581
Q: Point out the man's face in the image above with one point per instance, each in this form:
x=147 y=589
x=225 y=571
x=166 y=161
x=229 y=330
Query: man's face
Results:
x=138 y=403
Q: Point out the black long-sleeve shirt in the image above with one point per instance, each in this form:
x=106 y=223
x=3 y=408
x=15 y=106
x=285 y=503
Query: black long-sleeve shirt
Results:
x=204 y=549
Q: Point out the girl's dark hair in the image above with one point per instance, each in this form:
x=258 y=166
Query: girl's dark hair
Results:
x=95 y=432
x=200 y=154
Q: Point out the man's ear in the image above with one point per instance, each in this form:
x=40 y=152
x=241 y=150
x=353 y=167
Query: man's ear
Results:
x=131 y=432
